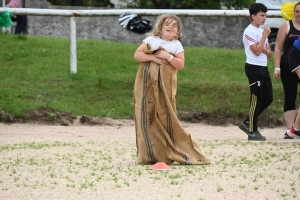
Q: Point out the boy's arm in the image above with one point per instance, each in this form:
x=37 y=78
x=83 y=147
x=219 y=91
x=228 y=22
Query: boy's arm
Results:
x=259 y=47
x=268 y=51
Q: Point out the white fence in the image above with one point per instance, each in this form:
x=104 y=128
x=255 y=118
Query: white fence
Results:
x=116 y=12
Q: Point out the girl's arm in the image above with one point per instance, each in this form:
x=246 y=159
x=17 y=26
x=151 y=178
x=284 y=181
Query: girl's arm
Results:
x=161 y=57
x=140 y=56
x=279 y=47
x=176 y=62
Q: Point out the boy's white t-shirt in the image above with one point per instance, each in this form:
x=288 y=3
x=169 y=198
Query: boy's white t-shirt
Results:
x=252 y=35
x=173 y=46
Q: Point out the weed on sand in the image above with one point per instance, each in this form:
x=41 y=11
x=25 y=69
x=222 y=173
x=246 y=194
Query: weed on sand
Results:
x=108 y=169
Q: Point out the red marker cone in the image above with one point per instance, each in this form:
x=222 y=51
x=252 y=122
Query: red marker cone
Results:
x=160 y=166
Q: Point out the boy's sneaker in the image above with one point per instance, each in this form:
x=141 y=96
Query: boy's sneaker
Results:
x=244 y=127
x=256 y=136
x=286 y=136
x=292 y=133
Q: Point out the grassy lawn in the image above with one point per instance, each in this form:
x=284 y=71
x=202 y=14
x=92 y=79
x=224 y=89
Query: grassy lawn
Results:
x=35 y=74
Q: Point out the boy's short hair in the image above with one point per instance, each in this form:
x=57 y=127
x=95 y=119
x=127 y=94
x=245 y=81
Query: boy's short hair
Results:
x=256 y=8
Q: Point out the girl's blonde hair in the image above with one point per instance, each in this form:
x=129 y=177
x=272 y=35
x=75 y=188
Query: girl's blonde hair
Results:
x=157 y=31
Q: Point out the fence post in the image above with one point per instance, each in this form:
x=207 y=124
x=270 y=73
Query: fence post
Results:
x=2 y=5
x=73 y=56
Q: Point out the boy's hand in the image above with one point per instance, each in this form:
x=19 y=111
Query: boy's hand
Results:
x=266 y=31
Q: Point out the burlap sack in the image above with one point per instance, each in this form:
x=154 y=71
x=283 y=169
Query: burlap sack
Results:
x=160 y=136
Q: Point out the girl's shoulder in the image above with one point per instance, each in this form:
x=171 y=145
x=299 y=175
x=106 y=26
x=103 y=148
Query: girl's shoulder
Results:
x=176 y=41
x=151 y=37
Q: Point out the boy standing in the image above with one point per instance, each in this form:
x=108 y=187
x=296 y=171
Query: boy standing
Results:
x=257 y=52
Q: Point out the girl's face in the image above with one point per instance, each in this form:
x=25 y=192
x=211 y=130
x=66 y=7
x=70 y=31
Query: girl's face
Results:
x=169 y=29
x=297 y=13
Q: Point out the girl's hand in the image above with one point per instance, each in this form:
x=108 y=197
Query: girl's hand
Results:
x=276 y=74
x=162 y=54
x=160 y=61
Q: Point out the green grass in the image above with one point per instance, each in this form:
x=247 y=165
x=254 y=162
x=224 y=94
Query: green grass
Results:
x=35 y=74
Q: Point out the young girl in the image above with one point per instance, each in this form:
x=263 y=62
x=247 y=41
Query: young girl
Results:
x=159 y=134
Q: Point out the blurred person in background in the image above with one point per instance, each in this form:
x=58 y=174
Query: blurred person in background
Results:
x=21 y=20
x=294 y=62
x=287 y=34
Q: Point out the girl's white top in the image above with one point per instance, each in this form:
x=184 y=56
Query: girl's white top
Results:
x=252 y=35
x=173 y=46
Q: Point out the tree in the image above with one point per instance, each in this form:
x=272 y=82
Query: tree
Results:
x=188 y=4
x=96 y=3
x=161 y=4
x=173 y=4
x=238 y=4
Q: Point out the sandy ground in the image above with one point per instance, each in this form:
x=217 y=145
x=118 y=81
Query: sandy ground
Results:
x=98 y=162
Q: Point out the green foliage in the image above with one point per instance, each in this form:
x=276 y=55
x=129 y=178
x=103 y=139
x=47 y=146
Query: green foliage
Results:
x=188 y=4
x=95 y=3
x=173 y=4
x=160 y=4
x=238 y=4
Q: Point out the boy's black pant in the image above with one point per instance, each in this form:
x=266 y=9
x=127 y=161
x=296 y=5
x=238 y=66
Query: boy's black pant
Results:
x=261 y=92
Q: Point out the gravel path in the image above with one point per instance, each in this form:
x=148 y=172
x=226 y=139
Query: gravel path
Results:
x=98 y=162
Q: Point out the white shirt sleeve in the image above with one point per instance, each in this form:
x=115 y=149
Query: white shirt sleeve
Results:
x=250 y=38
